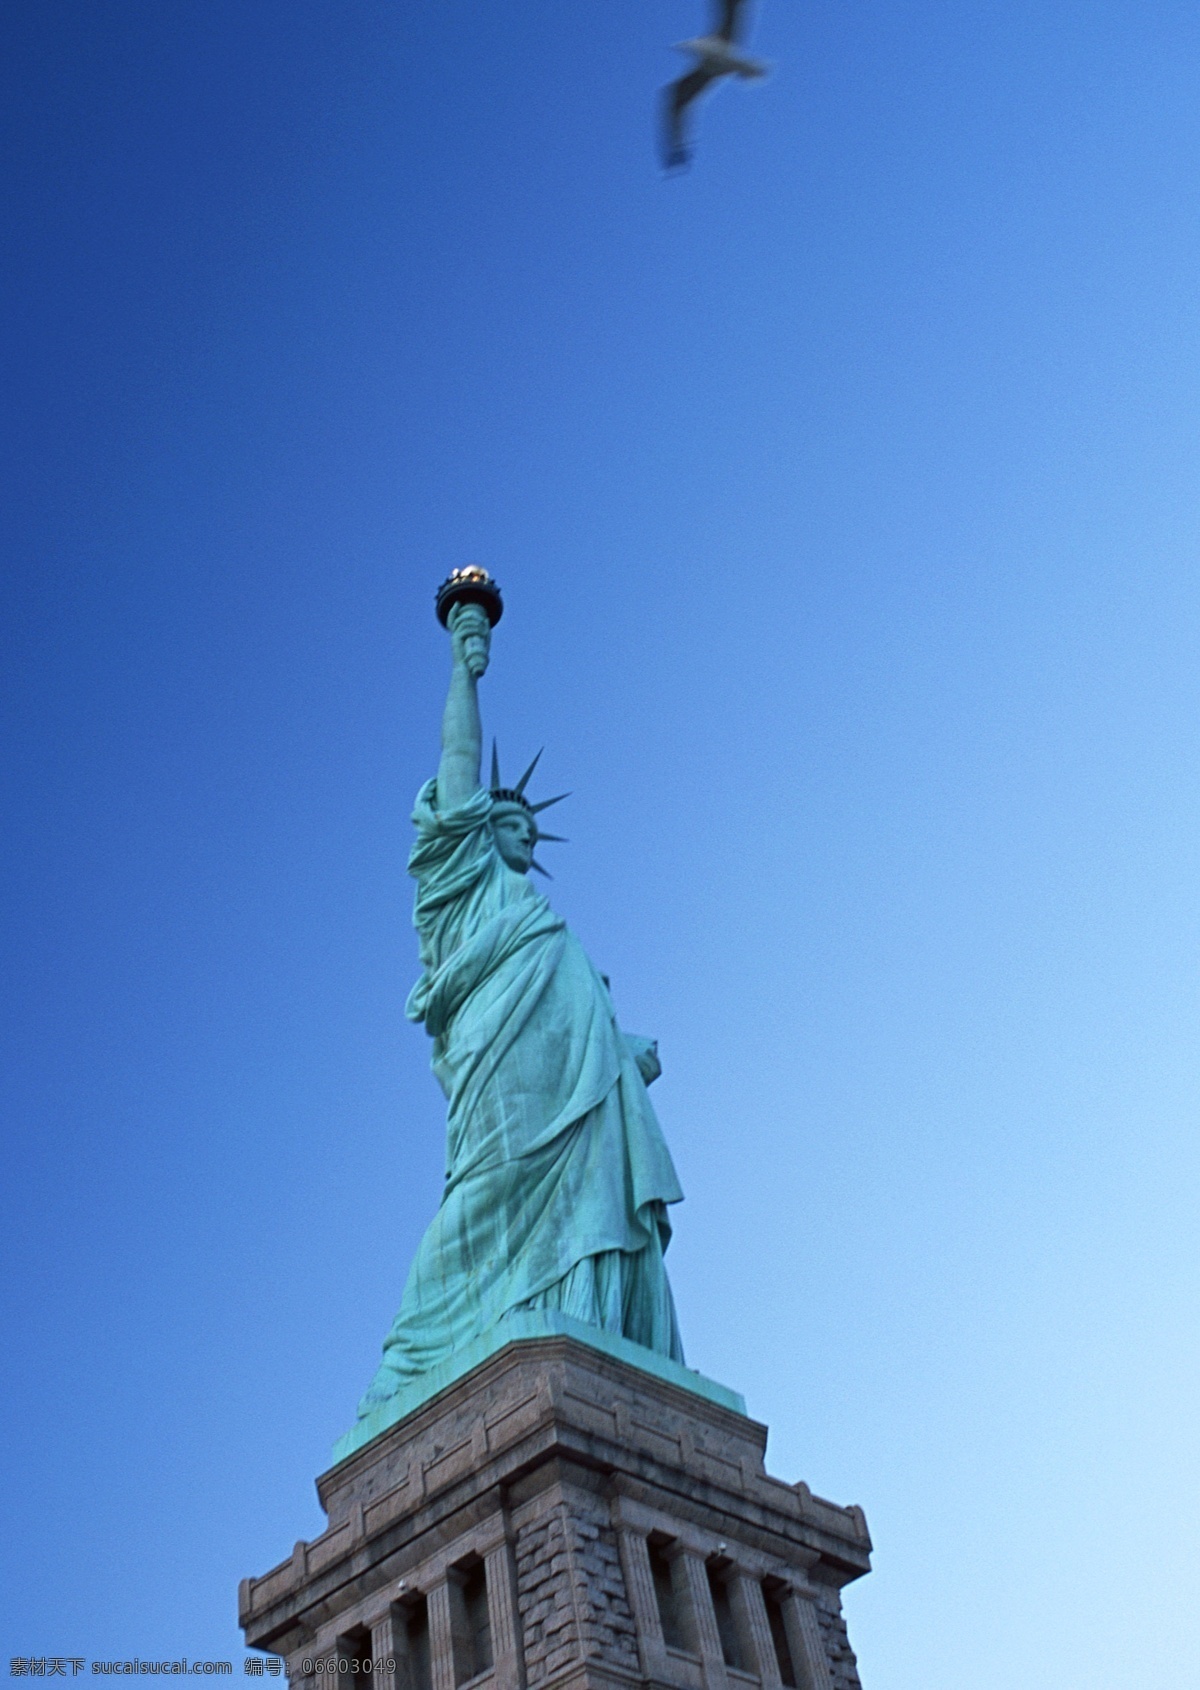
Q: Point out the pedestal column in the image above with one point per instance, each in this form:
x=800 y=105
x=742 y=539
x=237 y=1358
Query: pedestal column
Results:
x=806 y=1644
x=441 y=1637
x=639 y=1585
x=387 y=1640
x=502 y=1610
x=751 y=1611
x=706 y=1639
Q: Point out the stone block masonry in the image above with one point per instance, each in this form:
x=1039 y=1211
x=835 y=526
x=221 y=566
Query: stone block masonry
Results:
x=558 y=1519
x=571 y=1591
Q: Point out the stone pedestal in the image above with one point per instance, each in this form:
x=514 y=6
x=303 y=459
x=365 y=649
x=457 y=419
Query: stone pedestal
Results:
x=557 y=1517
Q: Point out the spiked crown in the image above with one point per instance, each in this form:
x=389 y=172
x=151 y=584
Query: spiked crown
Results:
x=502 y=794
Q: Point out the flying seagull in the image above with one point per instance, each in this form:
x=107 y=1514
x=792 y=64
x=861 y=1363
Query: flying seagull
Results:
x=716 y=56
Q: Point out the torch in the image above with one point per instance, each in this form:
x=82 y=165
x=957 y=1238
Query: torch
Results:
x=470 y=585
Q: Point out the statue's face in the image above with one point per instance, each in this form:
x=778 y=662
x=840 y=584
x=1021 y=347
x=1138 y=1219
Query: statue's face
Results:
x=515 y=832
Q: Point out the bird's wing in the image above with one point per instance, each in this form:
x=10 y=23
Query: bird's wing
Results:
x=677 y=97
x=728 y=19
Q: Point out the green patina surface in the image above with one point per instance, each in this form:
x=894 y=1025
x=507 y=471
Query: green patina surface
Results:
x=557 y=1174
x=521 y=1328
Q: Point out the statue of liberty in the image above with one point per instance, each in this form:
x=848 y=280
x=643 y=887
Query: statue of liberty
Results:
x=557 y=1173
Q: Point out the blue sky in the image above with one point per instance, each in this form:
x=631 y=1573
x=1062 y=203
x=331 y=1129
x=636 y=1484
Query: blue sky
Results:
x=844 y=493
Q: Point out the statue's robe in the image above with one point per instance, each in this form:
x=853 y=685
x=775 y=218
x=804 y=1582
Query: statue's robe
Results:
x=557 y=1173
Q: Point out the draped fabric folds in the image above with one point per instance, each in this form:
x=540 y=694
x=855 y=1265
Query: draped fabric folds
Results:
x=557 y=1175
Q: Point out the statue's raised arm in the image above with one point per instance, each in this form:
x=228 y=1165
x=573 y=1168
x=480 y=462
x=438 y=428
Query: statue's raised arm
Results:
x=462 y=733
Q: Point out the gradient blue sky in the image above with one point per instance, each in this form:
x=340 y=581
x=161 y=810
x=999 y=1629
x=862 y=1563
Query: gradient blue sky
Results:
x=845 y=495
